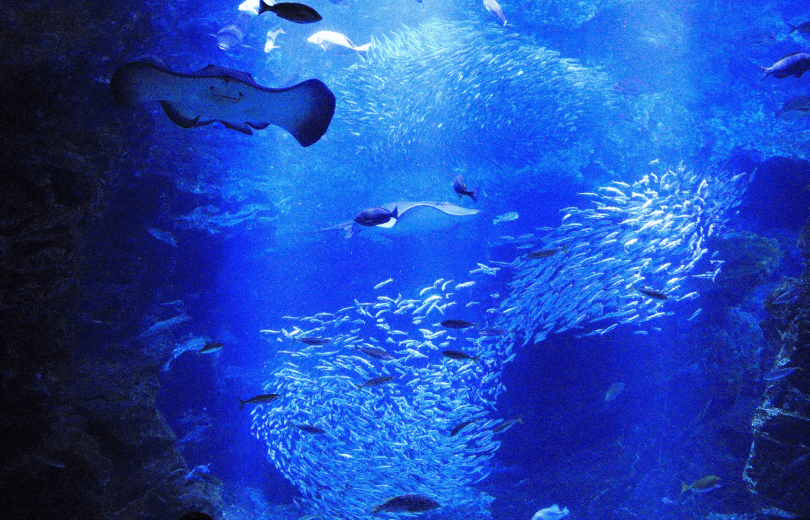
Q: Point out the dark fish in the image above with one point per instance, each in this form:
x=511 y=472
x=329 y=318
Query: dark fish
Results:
x=263 y=398
x=545 y=253
x=375 y=381
x=506 y=425
x=802 y=28
x=210 y=347
x=461 y=189
x=308 y=428
x=376 y=353
x=493 y=332
x=312 y=341
x=376 y=216
x=457 y=324
x=794 y=64
x=458 y=355
x=702 y=485
x=294 y=12
x=794 y=108
x=779 y=373
x=460 y=426
x=651 y=293
x=413 y=503
x=229 y=96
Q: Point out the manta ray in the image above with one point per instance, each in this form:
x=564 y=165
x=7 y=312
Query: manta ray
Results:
x=414 y=218
x=229 y=96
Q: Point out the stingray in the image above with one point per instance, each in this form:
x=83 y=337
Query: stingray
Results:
x=414 y=218
x=229 y=96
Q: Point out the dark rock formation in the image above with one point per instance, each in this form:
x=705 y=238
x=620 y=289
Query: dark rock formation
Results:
x=778 y=467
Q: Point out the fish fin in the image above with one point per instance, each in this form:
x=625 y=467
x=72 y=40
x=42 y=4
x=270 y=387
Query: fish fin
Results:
x=177 y=118
x=305 y=110
x=395 y=213
x=363 y=48
x=239 y=128
x=264 y=7
x=476 y=192
x=241 y=403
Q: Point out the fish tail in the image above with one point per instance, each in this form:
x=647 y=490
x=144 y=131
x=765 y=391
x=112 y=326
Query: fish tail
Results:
x=264 y=7
x=684 y=487
x=241 y=403
x=792 y=28
x=395 y=213
x=476 y=192
x=359 y=387
x=363 y=48
x=475 y=359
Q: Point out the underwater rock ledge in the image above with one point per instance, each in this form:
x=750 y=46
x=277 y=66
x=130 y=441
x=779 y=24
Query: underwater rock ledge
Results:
x=778 y=467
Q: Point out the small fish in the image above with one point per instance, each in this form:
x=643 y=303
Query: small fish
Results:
x=377 y=217
x=270 y=44
x=308 y=428
x=694 y=315
x=794 y=108
x=614 y=391
x=651 y=293
x=457 y=324
x=545 y=253
x=702 y=485
x=259 y=399
x=460 y=426
x=458 y=355
x=779 y=373
x=211 y=347
x=493 y=7
x=383 y=284
x=294 y=12
x=376 y=353
x=460 y=188
x=506 y=217
x=311 y=341
x=802 y=28
x=502 y=427
x=375 y=381
x=794 y=64
x=334 y=41
x=493 y=332
x=412 y=503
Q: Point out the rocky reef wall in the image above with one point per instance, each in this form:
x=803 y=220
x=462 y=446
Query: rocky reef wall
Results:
x=778 y=467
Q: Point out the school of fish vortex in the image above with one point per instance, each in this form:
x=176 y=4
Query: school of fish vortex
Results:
x=509 y=100
x=394 y=438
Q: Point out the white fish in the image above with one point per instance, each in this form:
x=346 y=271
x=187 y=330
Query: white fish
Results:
x=330 y=40
x=383 y=284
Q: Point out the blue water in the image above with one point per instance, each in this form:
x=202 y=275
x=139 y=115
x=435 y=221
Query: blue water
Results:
x=661 y=84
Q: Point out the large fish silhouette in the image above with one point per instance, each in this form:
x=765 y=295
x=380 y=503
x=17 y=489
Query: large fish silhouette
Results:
x=229 y=96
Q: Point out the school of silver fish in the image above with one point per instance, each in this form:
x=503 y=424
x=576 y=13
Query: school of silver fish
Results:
x=397 y=417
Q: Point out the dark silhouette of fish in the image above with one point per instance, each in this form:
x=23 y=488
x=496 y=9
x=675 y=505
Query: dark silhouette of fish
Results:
x=457 y=324
x=802 y=28
x=263 y=398
x=292 y=11
x=412 y=503
x=375 y=381
x=376 y=353
x=651 y=293
x=308 y=428
x=794 y=64
x=794 y=108
x=312 y=342
x=458 y=355
x=377 y=217
x=460 y=188
x=229 y=96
